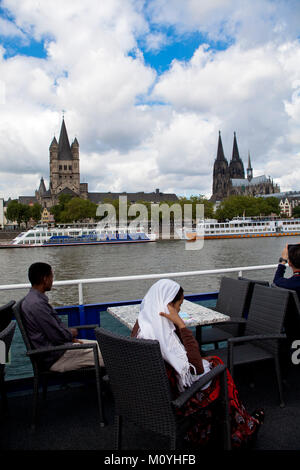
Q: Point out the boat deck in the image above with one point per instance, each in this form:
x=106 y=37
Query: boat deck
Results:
x=69 y=418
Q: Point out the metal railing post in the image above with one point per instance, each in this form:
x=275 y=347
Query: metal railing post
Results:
x=81 y=305
x=80 y=293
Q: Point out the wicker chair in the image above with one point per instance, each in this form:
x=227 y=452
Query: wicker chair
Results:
x=233 y=300
x=253 y=282
x=6 y=314
x=263 y=333
x=141 y=389
x=40 y=375
x=6 y=337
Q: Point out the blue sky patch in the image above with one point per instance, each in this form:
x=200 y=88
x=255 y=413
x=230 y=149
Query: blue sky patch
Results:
x=13 y=47
x=175 y=46
x=22 y=44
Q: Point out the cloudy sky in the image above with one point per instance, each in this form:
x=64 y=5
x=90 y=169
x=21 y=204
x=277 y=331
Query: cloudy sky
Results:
x=145 y=86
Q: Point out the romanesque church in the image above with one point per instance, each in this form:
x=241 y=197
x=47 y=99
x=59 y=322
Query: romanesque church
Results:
x=65 y=179
x=229 y=179
x=64 y=171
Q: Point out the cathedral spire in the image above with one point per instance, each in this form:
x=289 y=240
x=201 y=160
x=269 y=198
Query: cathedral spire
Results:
x=235 y=150
x=221 y=178
x=220 y=152
x=236 y=166
x=64 y=149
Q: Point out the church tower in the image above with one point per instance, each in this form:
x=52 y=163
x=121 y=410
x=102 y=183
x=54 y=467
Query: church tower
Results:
x=221 y=175
x=249 y=169
x=236 y=167
x=64 y=165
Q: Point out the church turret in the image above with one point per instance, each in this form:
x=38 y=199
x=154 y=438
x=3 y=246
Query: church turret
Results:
x=221 y=177
x=75 y=149
x=249 y=169
x=236 y=167
x=42 y=187
x=53 y=149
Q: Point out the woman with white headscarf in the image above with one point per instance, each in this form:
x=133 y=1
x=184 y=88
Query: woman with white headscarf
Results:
x=159 y=319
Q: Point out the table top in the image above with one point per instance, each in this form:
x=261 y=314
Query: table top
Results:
x=192 y=314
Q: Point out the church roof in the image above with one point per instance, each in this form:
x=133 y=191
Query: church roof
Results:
x=27 y=200
x=134 y=197
x=67 y=190
x=64 y=149
x=252 y=182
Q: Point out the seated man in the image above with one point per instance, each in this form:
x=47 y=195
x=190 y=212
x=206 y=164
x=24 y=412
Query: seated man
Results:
x=44 y=327
x=291 y=256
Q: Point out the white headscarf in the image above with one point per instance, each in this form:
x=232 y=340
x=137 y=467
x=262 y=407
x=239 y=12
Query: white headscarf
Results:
x=154 y=326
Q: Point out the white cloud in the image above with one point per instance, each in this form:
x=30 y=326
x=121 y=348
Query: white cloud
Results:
x=155 y=41
x=247 y=22
x=128 y=142
x=7 y=28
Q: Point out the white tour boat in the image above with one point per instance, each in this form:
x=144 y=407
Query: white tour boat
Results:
x=241 y=227
x=42 y=236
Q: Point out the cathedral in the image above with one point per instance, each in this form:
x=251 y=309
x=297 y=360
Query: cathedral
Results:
x=229 y=179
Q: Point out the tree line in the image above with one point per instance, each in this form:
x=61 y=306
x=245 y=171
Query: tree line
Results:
x=16 y=211
x=73 y=209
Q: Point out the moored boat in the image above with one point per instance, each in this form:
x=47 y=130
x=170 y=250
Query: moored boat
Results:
x=241 y=227
x=41 y=236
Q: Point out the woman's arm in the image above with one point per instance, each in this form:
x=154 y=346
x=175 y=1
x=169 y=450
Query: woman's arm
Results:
x=187 y=338
x=135 y=330
x=192 y=348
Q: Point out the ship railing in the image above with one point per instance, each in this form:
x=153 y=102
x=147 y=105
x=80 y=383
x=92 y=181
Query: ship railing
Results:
x=81 y=282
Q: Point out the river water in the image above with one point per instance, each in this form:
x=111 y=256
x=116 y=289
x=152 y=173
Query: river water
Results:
x=167 y=256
